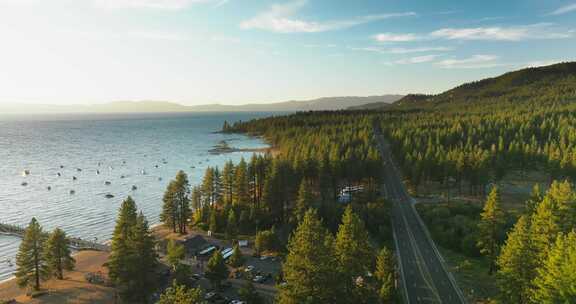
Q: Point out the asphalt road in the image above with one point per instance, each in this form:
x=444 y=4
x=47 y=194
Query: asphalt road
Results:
x=424 y=278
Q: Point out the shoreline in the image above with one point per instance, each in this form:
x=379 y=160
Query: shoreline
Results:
x=74 y=286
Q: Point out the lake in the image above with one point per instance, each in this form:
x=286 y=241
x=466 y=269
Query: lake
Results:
x=64 y=169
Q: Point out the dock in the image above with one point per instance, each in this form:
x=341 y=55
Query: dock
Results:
x=75 y=243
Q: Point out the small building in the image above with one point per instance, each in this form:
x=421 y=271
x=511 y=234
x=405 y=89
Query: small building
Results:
x=345 y=195
x=194 y=245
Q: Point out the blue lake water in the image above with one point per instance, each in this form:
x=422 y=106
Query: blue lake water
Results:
x=81 y=153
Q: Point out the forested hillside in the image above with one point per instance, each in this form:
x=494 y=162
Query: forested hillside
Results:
x=466 y=138
x=550 y=83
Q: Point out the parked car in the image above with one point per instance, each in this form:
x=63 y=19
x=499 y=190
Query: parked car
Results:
x=249 y=268
x=210 y=296
x=259 y=279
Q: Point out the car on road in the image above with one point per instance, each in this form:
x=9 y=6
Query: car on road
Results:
x=237 y=302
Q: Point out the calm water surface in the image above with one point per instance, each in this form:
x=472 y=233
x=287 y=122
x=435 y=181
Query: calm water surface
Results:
x=82 y=153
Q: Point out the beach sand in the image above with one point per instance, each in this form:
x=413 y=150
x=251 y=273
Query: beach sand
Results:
x=73 y=289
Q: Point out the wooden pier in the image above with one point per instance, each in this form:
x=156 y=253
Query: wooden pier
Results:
x=75 y=243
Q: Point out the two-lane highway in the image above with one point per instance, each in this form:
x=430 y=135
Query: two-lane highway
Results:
x=423 y=273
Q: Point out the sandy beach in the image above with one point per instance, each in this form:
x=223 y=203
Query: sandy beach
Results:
x=73 y=289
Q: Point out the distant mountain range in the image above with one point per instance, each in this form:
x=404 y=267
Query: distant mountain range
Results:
x=322 y=104
x=552 y=83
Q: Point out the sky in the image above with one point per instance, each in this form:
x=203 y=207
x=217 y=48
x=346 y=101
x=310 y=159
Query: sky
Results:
x=256 y=51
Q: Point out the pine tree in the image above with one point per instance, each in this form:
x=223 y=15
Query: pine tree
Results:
x=183 y=275
x=175 y=253
x=545 y=227
x=535 y=198
x=385 y=275
x=196 y=199
x=556 y=280
x=132 y=261
x=231 y=225
x=216 y=269
x=208 y=189
x=490 y=227
x=143 y=276
x=214 y=227
x=57 y=253
x=228 y=182
x=517 y=264
x=169 y=215
x=565 y=198
x=31 y=264
x=236 y=260
x=120 y=254
x=305 y=200
x=353 y=250
x=182 y=200
x=309 y=266
x=241 y=184
x=180 y=294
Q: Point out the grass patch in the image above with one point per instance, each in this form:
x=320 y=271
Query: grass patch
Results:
x=472 y=276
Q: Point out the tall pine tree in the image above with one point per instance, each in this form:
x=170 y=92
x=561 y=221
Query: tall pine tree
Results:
x=31 y=265
x=309 y=266
x=490 y=227
x=556 y=279
x=353 y=251
x=517 y=264
x=58 y=255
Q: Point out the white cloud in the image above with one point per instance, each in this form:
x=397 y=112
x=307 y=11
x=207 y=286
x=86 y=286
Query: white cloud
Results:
x=495 y=33
x=474 y=62
x=383 y=50
x=513 y=33
x=418 y=50
x=564 y=9
x=417 y=59
x=152 y=4
x=480 y=33
x=390 y=37
x=279 y=18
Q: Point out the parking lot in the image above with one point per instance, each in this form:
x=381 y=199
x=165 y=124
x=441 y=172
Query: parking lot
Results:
x=262 y=271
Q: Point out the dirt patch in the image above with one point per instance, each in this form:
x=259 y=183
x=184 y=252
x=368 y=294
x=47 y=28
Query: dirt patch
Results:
x=73 y=289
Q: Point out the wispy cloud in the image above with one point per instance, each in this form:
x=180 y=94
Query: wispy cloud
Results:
x=495 y=33
x=474 y=62
x=280 y=18
x=417 y=59
x=384 y=50
x=391 y=37
x=154 y=4
x=564 y=9
x=515 y=33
